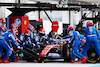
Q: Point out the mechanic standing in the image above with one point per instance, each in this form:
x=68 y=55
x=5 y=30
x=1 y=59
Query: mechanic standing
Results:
x=78 y=40
x=91 y=34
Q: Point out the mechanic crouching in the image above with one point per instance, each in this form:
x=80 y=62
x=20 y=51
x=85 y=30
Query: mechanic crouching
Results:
x=27 y=38
x=8 y=35
x=78 y=40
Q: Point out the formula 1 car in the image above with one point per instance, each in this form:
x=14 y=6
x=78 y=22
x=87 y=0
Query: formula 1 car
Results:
x=57 y=46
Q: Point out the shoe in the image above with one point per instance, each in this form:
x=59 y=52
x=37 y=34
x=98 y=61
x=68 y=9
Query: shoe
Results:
x=72 y=61
x=17 y=59
x=79 y=60
x=1 y=61
x=39 y=59
x=6 y=61
x=84 y=59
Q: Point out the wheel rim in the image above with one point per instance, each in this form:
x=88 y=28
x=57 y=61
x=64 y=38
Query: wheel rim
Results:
x=92 y=56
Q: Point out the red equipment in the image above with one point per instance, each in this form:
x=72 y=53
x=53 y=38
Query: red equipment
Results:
x=55 y=26
x=41 y=20
x=21 y=21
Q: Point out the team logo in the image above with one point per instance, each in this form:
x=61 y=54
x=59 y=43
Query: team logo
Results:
x=17 y=21
x=47 y=48
x=25 y=22
x=91 y=30
x=43 y=31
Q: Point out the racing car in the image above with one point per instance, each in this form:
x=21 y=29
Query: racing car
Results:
x=55 y=46
x=59 y=47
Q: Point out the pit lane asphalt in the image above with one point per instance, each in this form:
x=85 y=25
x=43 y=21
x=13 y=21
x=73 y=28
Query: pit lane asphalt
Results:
x=57 y=63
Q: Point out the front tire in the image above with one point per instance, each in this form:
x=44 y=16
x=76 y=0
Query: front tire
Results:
x=66 y=53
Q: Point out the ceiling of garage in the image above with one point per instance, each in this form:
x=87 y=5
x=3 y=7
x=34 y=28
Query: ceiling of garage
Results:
x=92 y=1
x=56 y=1
x=48 y=1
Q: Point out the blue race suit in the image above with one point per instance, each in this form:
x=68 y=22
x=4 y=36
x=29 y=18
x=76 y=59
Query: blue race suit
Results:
x=91 y=35
x=7 y=36
x=1 y=50
x=98 y=34
x=78 y=37
x=39 y=39
x=12 y=49
x=27 y=40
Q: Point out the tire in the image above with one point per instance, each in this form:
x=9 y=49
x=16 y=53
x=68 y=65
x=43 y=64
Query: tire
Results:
x=28 y=58
x=64 y=50
x=67 y=58
x=92 y=56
